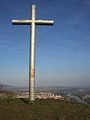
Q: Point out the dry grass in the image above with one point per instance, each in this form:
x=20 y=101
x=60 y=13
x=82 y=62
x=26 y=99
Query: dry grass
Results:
x=20 y=109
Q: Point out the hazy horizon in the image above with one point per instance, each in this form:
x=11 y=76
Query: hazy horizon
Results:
x=36 y=86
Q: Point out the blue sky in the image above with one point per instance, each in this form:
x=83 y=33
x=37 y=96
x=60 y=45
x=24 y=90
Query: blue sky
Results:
x=62 y=50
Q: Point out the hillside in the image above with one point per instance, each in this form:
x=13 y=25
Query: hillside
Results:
x=20 y=109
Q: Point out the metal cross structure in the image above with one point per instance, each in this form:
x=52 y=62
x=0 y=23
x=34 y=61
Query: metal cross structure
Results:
x=33 y=22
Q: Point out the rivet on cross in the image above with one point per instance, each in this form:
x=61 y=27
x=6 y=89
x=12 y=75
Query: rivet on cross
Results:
x=33 y=22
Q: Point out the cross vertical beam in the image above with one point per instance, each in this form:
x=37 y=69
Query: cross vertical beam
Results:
x=32 y=58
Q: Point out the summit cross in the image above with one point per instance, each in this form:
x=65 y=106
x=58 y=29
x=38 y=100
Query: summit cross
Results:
x=33 y=22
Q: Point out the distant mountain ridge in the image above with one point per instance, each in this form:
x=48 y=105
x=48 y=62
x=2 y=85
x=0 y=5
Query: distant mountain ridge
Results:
x=7 y=87
x=12 y=88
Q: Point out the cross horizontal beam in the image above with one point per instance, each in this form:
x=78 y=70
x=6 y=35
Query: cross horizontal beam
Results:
x=28 y=22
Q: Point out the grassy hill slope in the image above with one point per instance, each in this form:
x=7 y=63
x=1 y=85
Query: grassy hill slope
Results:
x=20 y=109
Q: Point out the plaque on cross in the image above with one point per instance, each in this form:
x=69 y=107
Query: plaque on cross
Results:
x=33 y=22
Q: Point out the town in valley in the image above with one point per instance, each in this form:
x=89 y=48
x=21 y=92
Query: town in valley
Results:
x=78 y=94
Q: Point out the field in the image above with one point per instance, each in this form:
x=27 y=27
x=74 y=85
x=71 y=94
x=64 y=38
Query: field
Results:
x=20 y=109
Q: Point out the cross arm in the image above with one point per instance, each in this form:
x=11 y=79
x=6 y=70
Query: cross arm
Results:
x=21 y=22
x=28 y=22
x=44 y=22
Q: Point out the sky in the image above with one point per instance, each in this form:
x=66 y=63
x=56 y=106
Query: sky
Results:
x=62 y=50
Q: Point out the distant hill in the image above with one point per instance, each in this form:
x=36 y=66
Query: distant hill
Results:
x=5 y=87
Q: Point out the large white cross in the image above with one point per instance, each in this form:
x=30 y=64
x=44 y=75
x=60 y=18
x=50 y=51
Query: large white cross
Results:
x=33 y=22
